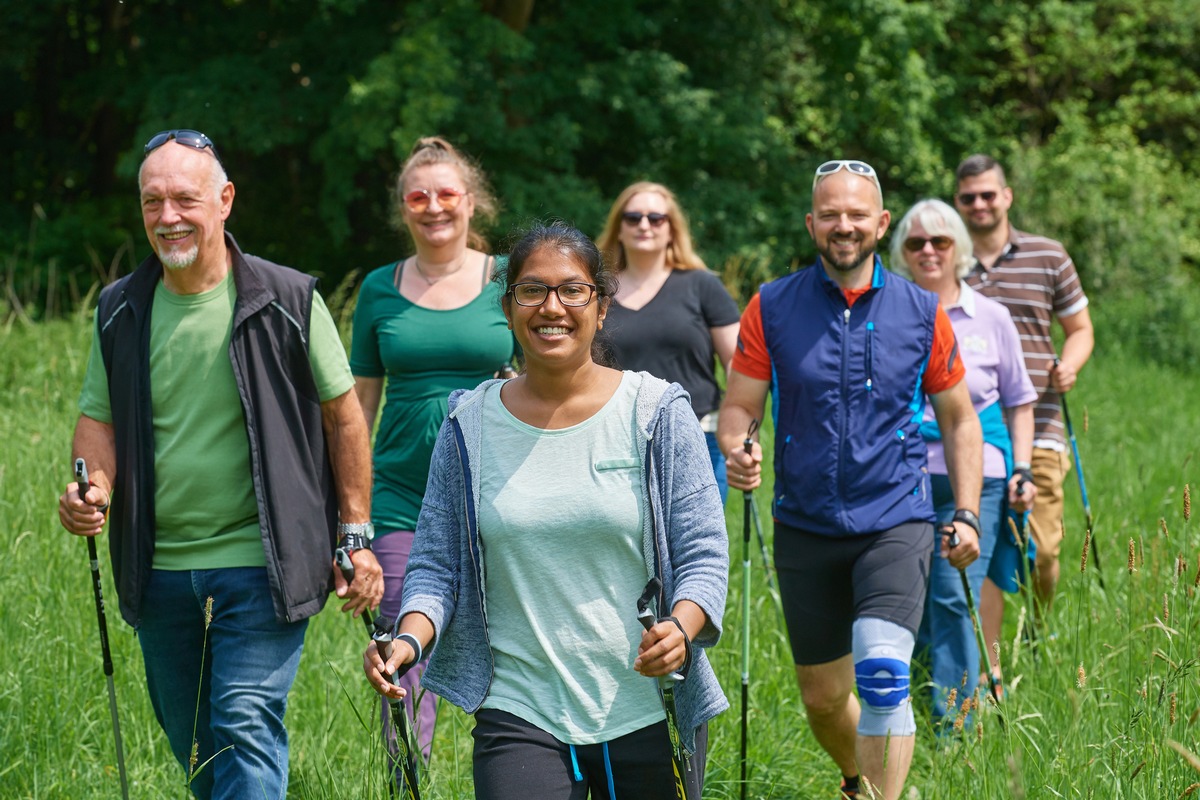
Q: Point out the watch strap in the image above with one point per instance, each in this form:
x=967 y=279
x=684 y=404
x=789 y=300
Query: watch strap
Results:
x=353 y=541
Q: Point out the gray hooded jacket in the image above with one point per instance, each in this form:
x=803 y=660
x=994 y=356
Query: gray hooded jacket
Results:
x=684 y=544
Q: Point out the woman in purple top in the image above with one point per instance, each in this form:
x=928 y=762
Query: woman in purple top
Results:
x=671 y=316
x=932 y=247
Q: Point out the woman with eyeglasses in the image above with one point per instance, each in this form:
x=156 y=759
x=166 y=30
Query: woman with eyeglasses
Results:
x=424 y=326
x=670 y=317
x=553 y=498
x=932 y=247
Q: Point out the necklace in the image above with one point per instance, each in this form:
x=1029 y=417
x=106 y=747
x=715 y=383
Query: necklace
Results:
x=434 y=281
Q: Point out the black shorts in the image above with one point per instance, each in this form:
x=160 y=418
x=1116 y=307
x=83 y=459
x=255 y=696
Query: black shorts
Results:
x=827 y=582
x=516 y=760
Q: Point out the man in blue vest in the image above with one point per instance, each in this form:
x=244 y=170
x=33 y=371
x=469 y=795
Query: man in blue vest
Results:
x=219 y=419
x=848 y=352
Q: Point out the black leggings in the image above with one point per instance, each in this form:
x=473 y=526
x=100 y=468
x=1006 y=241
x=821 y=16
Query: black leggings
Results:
x=516 y=760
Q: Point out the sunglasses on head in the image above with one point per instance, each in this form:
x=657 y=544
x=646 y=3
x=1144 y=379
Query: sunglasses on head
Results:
x=857 y=167
x=634 y=218
x=193 y=139
x=968 y=198
x=418 y=200
x=915 y=244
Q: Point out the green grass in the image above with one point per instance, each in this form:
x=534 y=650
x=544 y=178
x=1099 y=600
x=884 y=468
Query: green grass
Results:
x=1107 y=737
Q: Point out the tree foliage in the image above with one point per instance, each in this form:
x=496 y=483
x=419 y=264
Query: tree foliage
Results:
x=1092 y=105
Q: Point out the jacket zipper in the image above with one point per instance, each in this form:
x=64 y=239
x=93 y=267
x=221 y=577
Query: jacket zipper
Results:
x=870 y=354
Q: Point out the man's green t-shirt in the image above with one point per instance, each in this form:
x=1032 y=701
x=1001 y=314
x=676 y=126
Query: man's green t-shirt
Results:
x=206 y=513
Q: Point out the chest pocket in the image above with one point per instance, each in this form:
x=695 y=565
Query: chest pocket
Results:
x=617 y=463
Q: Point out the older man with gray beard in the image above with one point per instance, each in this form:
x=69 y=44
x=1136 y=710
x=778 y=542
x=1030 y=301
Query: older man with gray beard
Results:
x=220 y=425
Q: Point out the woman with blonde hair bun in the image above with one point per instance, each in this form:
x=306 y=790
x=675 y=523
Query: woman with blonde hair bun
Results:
x=424 y=326
x=671 y=316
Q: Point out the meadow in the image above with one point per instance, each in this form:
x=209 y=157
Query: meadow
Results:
x=1105 y=708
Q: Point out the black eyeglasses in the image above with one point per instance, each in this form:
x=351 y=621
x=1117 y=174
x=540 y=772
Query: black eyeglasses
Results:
x=968 y=198
x=857 y=167
x=573 y=294
x=634 y=218
x=193 y=139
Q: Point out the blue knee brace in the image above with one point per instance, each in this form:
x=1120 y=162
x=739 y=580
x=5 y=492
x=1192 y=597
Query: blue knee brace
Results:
x=882 y=651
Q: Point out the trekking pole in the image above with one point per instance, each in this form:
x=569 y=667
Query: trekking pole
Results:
x=994 y=685
x=81 y=478
x=768 y=570
x=679 y=761
x=342 y=557
x=406 y=757
x=1016 y=523
x=1087 y=507
x=747 y=512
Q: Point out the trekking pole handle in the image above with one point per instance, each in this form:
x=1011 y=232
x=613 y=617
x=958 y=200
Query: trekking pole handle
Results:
x=81 y=477
x=949 y=532
x=383 y=639
x=647 y=618
x=748 y=443
x=342 y=556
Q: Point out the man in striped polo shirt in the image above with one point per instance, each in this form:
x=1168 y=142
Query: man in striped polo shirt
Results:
x=1036 y=280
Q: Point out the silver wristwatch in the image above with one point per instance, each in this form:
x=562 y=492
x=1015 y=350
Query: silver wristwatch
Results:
x=363 y=530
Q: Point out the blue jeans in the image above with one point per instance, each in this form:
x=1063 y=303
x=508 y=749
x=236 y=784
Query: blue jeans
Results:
x=946 y=629
x=242 y=685
x=718 y=462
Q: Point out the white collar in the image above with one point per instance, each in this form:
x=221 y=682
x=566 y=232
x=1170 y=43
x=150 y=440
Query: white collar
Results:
x=966 y=299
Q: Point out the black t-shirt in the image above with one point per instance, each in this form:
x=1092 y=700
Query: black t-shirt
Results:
x=669 y=337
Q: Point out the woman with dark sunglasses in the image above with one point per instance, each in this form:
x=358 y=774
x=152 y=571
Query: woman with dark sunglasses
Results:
x=671 y=316
x=424 y=326
x=931 y=246
x=553 y=498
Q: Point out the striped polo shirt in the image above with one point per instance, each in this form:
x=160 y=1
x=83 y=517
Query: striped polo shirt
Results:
x=1036 y=280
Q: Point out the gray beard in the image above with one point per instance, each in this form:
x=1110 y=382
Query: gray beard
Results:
x=180 y=261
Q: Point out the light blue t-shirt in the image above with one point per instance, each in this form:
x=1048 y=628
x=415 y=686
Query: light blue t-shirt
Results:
x=560 y=521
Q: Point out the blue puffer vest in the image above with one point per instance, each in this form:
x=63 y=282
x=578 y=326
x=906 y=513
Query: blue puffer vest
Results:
x=849 y=457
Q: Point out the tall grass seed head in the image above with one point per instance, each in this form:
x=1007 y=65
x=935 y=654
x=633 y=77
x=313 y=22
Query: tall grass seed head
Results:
x=1162 y=526
x=951 y=699
x=1087 y=541
x=1187 y=502
x=1081 y=677
x=1131 y=562
x=1166 y=611
x=1174 y=700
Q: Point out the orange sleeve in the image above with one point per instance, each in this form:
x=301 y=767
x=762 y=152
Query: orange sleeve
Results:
x=945 y=363
x=751 y=358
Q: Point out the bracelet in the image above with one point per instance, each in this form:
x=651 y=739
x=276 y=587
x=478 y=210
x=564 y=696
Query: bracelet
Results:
x=1021 y=465
x=414 y=644
x=687 y=646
